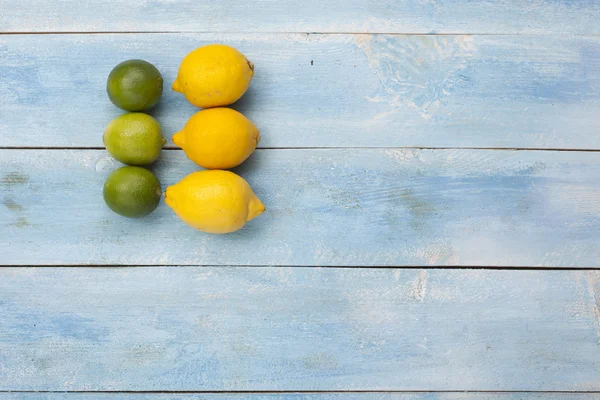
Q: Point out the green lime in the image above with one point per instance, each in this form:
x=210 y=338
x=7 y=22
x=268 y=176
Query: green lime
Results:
x=134 y=85
x=134 y=139
x=132 y=191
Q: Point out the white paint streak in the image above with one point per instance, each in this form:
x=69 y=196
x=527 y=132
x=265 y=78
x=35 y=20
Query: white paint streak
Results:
x=593 y=282
x=419 y=286
x=403 y=155
x=440 y=252
x=420 y=72
x=105 y=163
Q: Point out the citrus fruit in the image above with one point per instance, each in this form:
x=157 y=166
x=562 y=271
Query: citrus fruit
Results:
x=132 y=192
x=214 y=75
x=214 y=201
x=134 y=85
x=218 y=138
x=134 y=139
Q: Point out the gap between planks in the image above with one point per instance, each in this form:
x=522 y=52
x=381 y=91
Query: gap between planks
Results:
x=410 y=267
x=331 y=148
x=295 y=33
x=300 y=391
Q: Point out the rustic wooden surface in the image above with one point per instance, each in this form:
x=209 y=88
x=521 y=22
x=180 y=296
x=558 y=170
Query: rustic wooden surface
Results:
x=344 y=207
x=219 y=328
x=396 y=134
x=387 y=16
x=324 y=90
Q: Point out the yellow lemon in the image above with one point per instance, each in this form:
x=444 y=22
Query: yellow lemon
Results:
x=214 y=201
x=218 y=138
x=214 y=75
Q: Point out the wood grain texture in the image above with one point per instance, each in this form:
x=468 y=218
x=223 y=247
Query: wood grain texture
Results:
x=324 y=90
x=276 y=328
x=302 y=396
x=324 y=207
x=400 y=16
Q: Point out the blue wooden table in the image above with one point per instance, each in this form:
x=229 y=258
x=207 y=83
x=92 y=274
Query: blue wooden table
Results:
x=431 y=171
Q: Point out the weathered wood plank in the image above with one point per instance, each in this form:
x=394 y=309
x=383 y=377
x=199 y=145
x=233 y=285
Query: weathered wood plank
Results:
x=302 y=396
x=400 y=16
x=324 y=207
x=275 y=328
x=324 y=90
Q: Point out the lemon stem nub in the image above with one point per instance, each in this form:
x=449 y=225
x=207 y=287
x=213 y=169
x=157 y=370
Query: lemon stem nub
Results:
x=255 y=208
x=257 y=138
x=178 y=139
x=176 y=86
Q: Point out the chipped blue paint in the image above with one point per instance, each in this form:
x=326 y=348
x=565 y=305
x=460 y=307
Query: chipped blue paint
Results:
x=210 y=328
x=324 y=90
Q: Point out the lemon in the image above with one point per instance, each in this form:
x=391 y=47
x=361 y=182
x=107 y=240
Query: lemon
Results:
x=134 y=139
x=214 y=201
x=132 y=192
x=214 y=75
x=218 y=138
x=134 y=85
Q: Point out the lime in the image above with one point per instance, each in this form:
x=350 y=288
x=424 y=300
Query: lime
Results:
x=132 y=191
x=134 y=85
x=134 y=139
